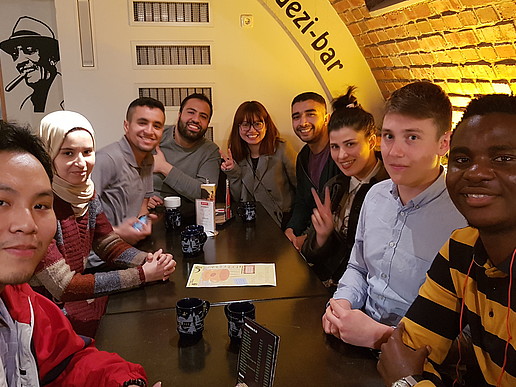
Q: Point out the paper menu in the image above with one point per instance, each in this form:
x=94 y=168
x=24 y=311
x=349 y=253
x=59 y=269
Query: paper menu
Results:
x=232 y=274
x=258 y=355
x=205 y=215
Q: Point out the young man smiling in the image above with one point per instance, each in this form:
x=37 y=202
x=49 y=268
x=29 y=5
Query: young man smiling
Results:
x=403 y=221
x=123 y=170
x=314 y=166
x=470 y=281
x=37 y=343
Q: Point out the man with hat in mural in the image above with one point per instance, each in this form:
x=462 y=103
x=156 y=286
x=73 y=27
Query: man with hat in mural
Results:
x=35 y=53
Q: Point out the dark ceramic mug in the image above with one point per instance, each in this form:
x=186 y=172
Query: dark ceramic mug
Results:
x=172 y=219
x=192 y=240
x=190 y=317
x=172 y=213
x=235 y=313
x=247 y=211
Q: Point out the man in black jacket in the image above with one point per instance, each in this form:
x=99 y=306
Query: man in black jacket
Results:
x=314 y=166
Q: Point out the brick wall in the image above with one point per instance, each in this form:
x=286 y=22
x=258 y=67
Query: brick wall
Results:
x=465 y=46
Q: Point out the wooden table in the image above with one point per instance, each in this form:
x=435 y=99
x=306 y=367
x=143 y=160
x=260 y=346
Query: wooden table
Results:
x=307 y=356
x=141 y=323
x=259 y=242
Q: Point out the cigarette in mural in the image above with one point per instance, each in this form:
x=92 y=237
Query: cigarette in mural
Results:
x=16 y=81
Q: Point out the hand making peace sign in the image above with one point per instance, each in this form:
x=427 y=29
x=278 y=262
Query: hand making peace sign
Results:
x=322 y=218
x=228 y=164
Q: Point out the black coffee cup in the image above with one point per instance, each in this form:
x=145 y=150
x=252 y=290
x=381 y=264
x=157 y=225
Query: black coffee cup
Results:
x=235 y=313
x=173 y=216
x=192 y=240
x=190 y=317
x=173 y=219
x=247 y=211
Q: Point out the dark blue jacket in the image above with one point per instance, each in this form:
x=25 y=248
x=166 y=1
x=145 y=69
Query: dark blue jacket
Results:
x=304 y=201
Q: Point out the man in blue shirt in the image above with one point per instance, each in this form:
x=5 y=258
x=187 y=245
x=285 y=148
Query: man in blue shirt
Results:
x=403 y=223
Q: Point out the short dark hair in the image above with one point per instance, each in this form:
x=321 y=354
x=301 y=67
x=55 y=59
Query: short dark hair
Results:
x=144 y=101
x=248 y=111
x=14 y=138
x=309 y=95
x=348 y=112
x=422 y=100
x=200 y=96
x=490 y=103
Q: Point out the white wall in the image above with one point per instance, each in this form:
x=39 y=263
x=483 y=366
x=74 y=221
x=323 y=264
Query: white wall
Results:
x=260 y=63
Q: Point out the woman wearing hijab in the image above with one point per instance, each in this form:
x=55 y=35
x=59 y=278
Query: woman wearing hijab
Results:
x=82 y=226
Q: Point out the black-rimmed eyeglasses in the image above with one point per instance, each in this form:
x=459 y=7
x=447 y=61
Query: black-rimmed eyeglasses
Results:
x=258 y=125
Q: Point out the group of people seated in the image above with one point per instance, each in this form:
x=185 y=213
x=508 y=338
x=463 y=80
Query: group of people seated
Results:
x=420 y=258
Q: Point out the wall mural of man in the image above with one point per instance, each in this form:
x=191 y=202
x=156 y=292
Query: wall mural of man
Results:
x=35 y=53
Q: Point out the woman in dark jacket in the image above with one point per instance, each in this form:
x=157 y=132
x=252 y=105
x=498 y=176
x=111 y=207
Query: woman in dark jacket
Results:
x=334 y=221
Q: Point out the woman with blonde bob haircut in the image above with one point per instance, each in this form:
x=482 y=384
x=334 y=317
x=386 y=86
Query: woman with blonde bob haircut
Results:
x=260 y=165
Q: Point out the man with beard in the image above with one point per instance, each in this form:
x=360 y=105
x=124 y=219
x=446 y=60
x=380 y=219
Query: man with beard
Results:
x=35 y=53
x=185 y=158
x=123 y=170
x=314 y=166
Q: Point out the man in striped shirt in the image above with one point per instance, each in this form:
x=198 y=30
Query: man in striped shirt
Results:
x=471 y=282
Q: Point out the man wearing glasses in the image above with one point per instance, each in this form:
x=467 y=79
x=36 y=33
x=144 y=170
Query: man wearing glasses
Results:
x=185 y=158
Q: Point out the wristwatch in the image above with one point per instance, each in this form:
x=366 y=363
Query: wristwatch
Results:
x=408 y=381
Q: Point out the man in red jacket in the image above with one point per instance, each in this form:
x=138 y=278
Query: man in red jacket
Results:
x=37 y=343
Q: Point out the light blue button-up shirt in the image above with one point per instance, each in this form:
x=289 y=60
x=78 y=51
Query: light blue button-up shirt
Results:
x=395 y=245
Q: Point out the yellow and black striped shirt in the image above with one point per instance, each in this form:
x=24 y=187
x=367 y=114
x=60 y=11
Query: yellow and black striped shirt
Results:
x=433 y=318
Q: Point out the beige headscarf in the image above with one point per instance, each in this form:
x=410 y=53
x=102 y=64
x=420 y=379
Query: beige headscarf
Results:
x=53 y=129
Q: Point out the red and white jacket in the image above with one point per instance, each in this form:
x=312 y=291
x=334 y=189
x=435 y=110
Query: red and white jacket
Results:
x=52 y=354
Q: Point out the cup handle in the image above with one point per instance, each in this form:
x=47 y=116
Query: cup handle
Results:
x=204 y=237
x=206 y=307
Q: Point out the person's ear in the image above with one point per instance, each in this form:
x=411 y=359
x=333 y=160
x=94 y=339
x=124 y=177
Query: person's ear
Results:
x=126 y=126
x=444 y=143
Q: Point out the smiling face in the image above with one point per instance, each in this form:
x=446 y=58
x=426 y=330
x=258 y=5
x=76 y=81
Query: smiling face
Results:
x=248 y=130
x=144 y=129
x=26 y=59
x=481 y=175
x=76 y=157
x=309 y=120
x=353 y=152
x=28 y=221
x=193 y=120
x=411 y=152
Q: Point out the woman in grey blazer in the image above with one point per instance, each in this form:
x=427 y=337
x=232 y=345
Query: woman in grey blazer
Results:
x=260 y=165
